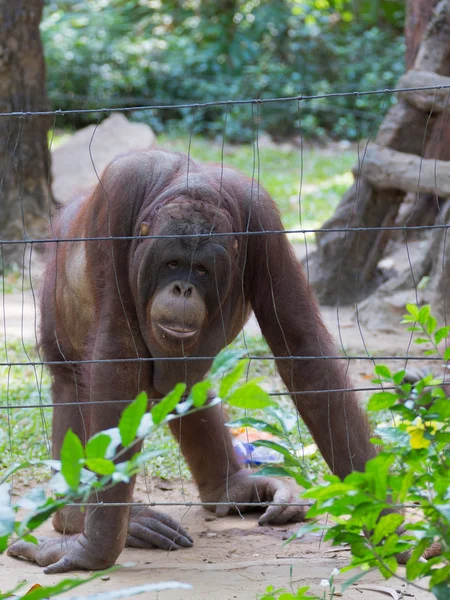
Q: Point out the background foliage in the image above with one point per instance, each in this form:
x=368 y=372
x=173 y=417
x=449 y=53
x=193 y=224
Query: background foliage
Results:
x=140 y=52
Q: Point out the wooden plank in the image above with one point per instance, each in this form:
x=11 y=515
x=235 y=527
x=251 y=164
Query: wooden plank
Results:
x=427 y=100
x=391 y=170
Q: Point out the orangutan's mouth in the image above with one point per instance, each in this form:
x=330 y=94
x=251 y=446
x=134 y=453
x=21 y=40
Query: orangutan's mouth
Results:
x=177 y=331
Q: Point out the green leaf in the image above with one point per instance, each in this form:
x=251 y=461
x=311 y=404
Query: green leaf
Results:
x=250 y=396
x=441 y=575
x=30 y=538
x=307 y=528
x=399 y=376
x=102 y=466
x=257 y=424
x=199 y=392
x=232 y=378
x=441 y=591
x=41 y=515
x=378 y=468
x=168 y=403
x=270 y=471
x=390 y=568
x=441 y=334
x=225 y=361
x=97 y=445
x=413 y=310
x=131 y=418
x=414 y=568
x=289 y=458
x=431 y=324
x=4 y=542
x=421 y=341
x=386 y=525
x=441 y=406
x=383 y=371
x=404 y=488
x=423 y=315
x=72 y=453
x=381 y=401
x=42 y=593
x=447 y=354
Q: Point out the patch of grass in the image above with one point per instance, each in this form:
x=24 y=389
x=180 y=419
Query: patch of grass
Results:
x=15 y=279
x=324 y=174
x=170 y=465
x=321 y=174
x=24 y=432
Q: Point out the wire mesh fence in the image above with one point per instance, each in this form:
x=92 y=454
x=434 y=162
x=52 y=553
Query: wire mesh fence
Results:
x=92 y=286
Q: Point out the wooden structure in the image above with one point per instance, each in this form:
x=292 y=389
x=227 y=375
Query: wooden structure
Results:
x=403 y=179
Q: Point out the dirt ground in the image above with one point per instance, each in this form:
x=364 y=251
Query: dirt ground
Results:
x=232 y=558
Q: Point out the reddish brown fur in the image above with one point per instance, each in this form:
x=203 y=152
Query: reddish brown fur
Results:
x=105 y=316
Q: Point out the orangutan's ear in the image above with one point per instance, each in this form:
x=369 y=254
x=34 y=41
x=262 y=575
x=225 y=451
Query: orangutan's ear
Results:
x=235 y=247
x=145 y=229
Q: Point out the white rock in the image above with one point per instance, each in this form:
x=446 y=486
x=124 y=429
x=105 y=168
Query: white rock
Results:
x=77 y=164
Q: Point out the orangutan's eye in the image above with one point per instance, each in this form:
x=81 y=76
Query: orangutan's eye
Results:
x=201 y=271
x=173 y=265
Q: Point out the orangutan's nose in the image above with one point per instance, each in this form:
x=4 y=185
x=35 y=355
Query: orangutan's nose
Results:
x=182 y=289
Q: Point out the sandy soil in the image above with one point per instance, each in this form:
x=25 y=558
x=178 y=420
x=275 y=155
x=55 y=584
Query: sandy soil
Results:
x=231 y=558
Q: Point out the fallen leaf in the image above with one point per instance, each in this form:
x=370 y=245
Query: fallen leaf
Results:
x=164 y=485
x=36 y=586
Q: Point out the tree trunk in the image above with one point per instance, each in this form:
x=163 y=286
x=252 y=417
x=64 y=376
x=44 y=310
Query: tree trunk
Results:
x=25 y=196
x=410 y=155
x=437 y=145
x=418 y=15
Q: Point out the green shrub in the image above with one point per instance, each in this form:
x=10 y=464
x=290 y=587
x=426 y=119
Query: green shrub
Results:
x=412 y=468
x=127 y=53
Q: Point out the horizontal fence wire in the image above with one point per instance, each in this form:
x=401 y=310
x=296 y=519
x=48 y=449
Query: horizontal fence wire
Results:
x=329 y=391
x=188 y=504
x=92 y=361
x=225 y=103
x=127 y=238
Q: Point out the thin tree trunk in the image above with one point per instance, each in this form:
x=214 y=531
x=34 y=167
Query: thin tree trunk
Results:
x=25 y=196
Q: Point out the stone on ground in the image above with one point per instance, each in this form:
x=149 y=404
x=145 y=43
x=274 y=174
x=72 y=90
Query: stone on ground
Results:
x=77 y=164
